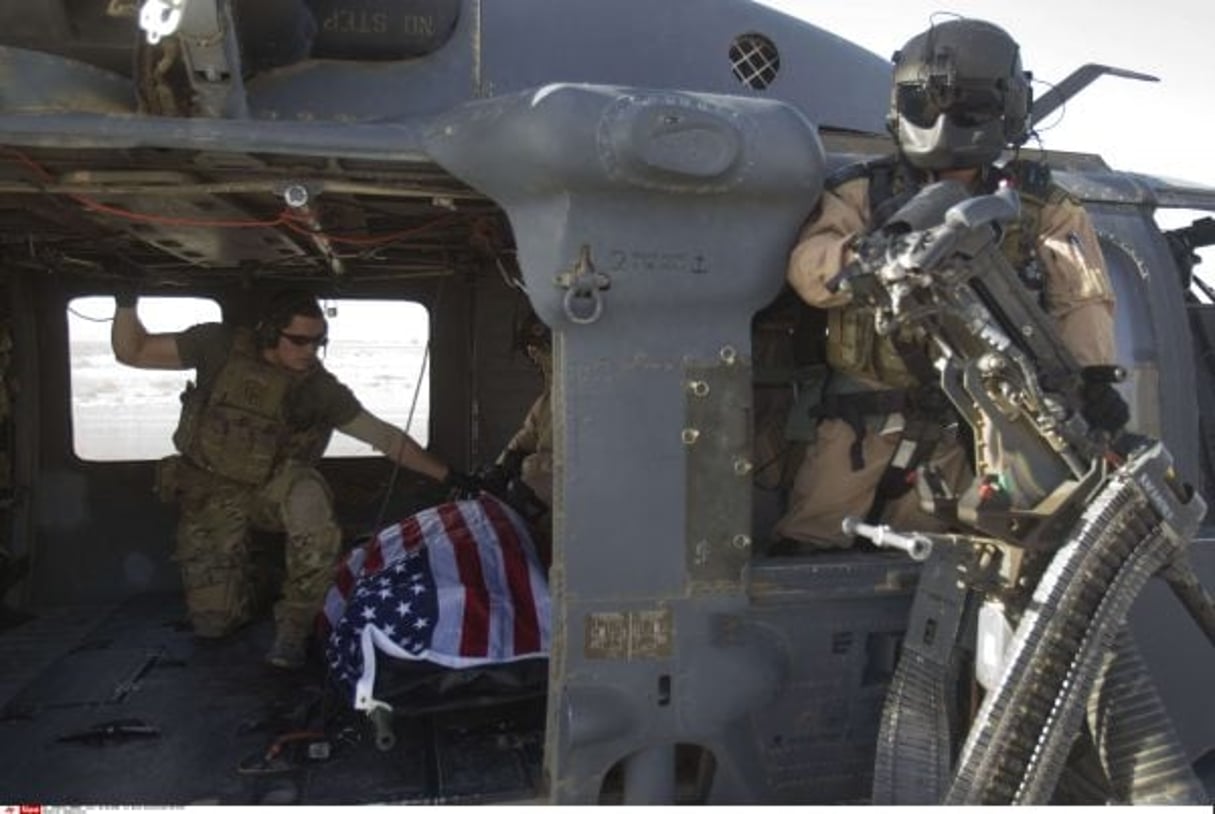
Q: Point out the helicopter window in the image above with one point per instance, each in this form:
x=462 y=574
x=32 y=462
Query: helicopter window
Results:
x=754 y=60
x=377 y=348
x=120 y=413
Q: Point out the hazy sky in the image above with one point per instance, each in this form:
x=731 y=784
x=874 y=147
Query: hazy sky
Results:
x=1162 y=128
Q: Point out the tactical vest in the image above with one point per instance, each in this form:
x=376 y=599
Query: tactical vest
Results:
x=235 y=425
x=854 y=347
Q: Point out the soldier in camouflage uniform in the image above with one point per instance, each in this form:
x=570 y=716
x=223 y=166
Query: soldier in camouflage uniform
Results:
x=252 y=429
x=959 y=97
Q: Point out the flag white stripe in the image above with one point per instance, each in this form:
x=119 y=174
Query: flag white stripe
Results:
x=446 y=573
x=335 y=606
x=392 y=544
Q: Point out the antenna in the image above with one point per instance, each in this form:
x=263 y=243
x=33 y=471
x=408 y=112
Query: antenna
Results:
x=1075 y=82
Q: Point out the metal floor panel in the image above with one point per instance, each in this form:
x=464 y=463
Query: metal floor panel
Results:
x=27 y=649
x=213 y=706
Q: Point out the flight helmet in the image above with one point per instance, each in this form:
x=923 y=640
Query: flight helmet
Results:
x=959 y=96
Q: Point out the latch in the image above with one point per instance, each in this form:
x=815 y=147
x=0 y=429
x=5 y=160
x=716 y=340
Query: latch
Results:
x=583 y=304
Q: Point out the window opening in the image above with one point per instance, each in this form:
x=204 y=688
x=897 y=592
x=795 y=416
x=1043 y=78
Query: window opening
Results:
x=377 y=348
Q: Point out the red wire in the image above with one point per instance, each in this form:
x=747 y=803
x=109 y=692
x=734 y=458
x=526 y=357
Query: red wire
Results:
x=167 y=220
x=293 y=223
x=285 y=217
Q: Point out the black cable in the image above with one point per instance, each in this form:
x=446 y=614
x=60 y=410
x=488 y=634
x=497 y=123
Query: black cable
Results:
x=79 y=315
x=396 y=467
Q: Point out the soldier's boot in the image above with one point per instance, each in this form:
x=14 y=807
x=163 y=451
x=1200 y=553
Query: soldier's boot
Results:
x=312 y=545
x=291 y=634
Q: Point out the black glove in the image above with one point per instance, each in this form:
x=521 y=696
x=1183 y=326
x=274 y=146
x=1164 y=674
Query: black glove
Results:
x=493 y=479
x=867 y=289
x=126 y=295
x=1101 y=405
x=512 y=463
x=461 y=485
x=865 y=286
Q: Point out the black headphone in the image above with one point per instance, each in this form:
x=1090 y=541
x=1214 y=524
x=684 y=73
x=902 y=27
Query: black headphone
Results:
x=280 y=310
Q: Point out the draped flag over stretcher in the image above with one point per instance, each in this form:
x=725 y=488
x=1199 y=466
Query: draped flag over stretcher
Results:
x=459 y=585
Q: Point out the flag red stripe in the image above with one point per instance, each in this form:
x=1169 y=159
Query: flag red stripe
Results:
x=411 y=533
x=375 y=557
x=474 y=629
x=514 y=559
x=345 y=580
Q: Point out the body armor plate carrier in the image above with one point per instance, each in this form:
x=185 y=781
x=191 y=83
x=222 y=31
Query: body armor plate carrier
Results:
x=235 y=426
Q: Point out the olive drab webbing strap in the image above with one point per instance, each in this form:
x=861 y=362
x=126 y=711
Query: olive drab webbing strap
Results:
x=923 y=430
x=787 y=377
x=234 y=426
x=892 y=184
x=899 y=362
x=853 y=346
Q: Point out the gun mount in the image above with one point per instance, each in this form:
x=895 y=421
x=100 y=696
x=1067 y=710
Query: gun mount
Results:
x=1085 y=518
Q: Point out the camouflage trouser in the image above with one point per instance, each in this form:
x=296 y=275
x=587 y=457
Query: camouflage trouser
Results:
x=826 y=488
x=213 y=549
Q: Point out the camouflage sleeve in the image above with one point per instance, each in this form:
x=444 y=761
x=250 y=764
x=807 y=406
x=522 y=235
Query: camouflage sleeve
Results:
x=1078 y=291
x=824 y=243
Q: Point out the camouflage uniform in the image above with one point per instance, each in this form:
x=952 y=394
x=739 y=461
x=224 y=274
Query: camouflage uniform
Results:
x=250 y=436
x=829 y=485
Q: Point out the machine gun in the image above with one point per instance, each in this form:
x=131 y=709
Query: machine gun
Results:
x=1058 y=513
x=1183 y=244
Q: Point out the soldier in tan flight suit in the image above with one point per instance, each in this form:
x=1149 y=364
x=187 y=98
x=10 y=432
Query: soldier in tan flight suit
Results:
x=529 y=453
x=959 y=98
x=252 y=430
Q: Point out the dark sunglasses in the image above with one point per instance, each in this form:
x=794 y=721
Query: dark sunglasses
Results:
x=301 y=340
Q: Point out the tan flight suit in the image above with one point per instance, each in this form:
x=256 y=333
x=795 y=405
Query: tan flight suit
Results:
x=250 y=437
x=826 y=489
x=535 y=438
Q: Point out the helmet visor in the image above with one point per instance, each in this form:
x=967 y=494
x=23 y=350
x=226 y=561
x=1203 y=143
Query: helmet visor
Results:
x=965 y=105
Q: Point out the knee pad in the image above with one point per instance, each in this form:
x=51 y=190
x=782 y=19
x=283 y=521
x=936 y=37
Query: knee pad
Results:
x=307 y=503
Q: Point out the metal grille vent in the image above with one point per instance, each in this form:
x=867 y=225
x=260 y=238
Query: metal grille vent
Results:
x=754 y=60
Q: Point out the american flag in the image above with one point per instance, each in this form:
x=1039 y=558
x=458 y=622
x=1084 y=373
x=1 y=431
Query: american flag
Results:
x=458 y=585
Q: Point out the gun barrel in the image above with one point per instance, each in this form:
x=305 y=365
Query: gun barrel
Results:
x=916 y=546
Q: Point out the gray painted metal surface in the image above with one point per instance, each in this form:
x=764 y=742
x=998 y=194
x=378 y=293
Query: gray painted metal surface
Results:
x=684 y=205
x=497 y=48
